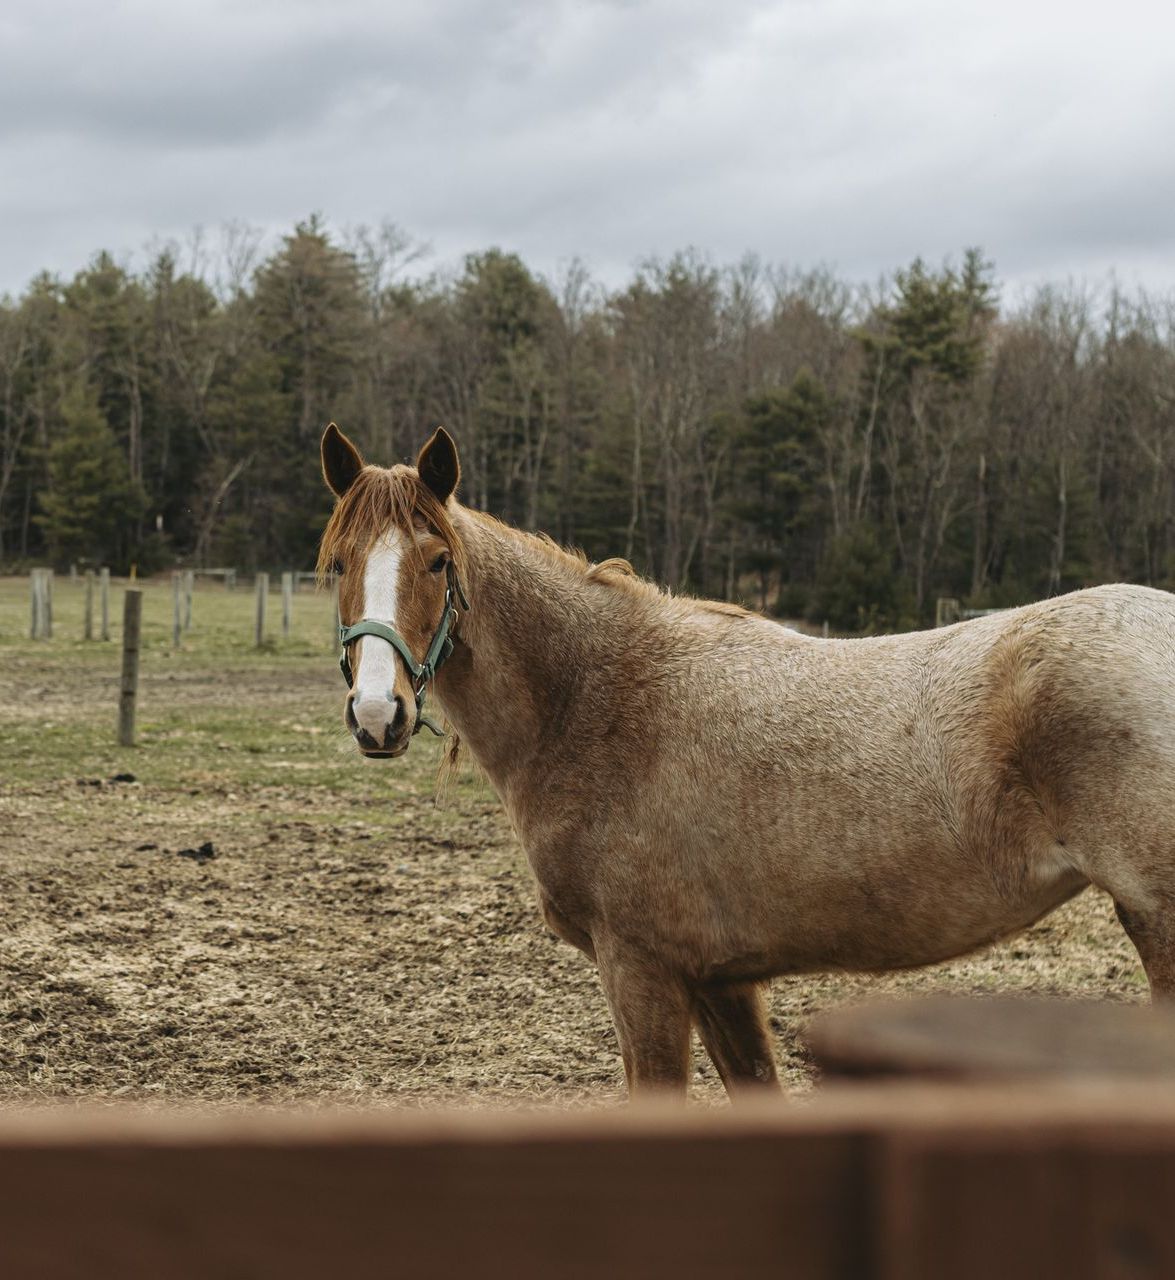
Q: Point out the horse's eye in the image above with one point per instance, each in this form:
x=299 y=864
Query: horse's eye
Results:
x=337 y=568
x=439 y=563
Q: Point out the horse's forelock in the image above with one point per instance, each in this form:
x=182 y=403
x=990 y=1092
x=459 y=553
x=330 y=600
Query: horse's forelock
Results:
x=382 y=498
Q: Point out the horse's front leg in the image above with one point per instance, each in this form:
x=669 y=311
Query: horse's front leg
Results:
x=651 y=1011
x=733 y=1028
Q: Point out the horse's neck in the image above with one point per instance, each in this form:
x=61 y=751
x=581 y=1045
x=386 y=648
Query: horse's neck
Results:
x=531 y=634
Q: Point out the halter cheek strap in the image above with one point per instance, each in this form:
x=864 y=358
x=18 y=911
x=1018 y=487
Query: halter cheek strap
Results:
x=439 y=648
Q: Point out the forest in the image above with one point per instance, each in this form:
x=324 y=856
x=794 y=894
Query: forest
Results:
x=808 y=445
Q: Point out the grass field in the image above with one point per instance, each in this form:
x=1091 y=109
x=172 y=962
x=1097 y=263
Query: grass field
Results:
x=353 y=939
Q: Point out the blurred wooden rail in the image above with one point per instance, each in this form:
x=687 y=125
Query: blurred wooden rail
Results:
x=894 y=1182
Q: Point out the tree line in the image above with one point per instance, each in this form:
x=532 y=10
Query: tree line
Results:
x=750 y=432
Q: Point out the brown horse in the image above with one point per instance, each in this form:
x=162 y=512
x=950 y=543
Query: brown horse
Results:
x=708 y=799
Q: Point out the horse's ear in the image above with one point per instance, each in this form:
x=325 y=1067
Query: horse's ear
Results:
x=438 y=465
x=341 y=461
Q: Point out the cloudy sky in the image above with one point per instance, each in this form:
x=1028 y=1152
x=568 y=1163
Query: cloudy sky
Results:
x=854 y=133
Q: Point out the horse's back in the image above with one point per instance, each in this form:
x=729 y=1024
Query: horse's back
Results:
x=1091 y=657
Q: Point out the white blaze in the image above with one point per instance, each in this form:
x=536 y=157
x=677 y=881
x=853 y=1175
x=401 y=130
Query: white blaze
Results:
x=377 y=665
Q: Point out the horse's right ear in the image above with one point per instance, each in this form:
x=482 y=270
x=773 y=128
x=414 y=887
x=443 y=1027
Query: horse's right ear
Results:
x=341 y=461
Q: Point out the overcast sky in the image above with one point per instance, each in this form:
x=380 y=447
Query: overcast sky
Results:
x=854 y=133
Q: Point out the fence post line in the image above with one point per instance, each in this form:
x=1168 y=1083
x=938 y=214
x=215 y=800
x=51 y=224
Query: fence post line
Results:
x=132 y=613
x=177 y=616
x=287 y=603
x=262 y=596
x=47 y=605
x=88 y=615
x=104 y=602
x=189 y=588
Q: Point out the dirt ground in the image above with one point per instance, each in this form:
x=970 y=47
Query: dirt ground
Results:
x=240 y=910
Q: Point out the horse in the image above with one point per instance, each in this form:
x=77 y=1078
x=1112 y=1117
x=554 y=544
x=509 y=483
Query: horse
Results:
x=708 y=800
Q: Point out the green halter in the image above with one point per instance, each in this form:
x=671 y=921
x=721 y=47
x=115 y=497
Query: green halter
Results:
x=439 y=649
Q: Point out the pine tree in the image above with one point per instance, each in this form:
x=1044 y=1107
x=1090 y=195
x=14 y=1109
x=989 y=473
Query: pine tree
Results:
x=91 y=505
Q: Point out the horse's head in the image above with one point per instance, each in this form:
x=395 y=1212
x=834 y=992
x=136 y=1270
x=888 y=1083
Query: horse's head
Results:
x=392 y=545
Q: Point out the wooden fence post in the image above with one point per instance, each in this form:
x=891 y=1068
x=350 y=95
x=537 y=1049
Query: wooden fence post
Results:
x=262 y=597
x=104 y=603
x=946 y=611
x=47 y=604
x=177 y=616
x=132 y=613
x=34 y=604
x=230 y=579
x=287 y=603
x=88 y=615
x=189 y=589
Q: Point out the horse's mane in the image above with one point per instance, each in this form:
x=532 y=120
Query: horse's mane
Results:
x=615 y=571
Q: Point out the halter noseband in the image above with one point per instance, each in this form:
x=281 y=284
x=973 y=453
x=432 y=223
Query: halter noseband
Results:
x=439 y=648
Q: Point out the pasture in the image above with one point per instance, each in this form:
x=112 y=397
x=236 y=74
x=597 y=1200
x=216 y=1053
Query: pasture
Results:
x=352 y=938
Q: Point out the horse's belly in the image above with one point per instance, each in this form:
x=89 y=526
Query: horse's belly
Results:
x=857 y=926
x=744 y=900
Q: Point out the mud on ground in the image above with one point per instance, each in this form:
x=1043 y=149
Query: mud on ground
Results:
x=259 y=916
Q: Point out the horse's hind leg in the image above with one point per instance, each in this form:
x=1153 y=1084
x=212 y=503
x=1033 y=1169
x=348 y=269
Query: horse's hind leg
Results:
x=651 y=1011
x=1152 y=930
x=733 y=1028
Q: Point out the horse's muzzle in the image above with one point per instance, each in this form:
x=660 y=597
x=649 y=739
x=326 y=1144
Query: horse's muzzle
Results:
x=379 y=725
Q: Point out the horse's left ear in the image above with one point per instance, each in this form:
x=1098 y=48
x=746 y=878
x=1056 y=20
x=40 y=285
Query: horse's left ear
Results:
x=438 y=465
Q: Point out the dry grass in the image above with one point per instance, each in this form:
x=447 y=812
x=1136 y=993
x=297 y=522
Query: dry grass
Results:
x=351 y=941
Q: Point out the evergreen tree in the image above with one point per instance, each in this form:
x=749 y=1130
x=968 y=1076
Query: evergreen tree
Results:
x=91 y=505
x=310 y=316
x=777 y=498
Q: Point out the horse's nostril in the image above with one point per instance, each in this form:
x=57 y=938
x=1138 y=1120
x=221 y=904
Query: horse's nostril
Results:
x=396 y=728
x=349 y=716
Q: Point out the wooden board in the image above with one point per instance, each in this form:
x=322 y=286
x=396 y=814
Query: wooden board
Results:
x=1078 y=1205
x=509 y=1196
x=1004 y=1037
x=922 y=1183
